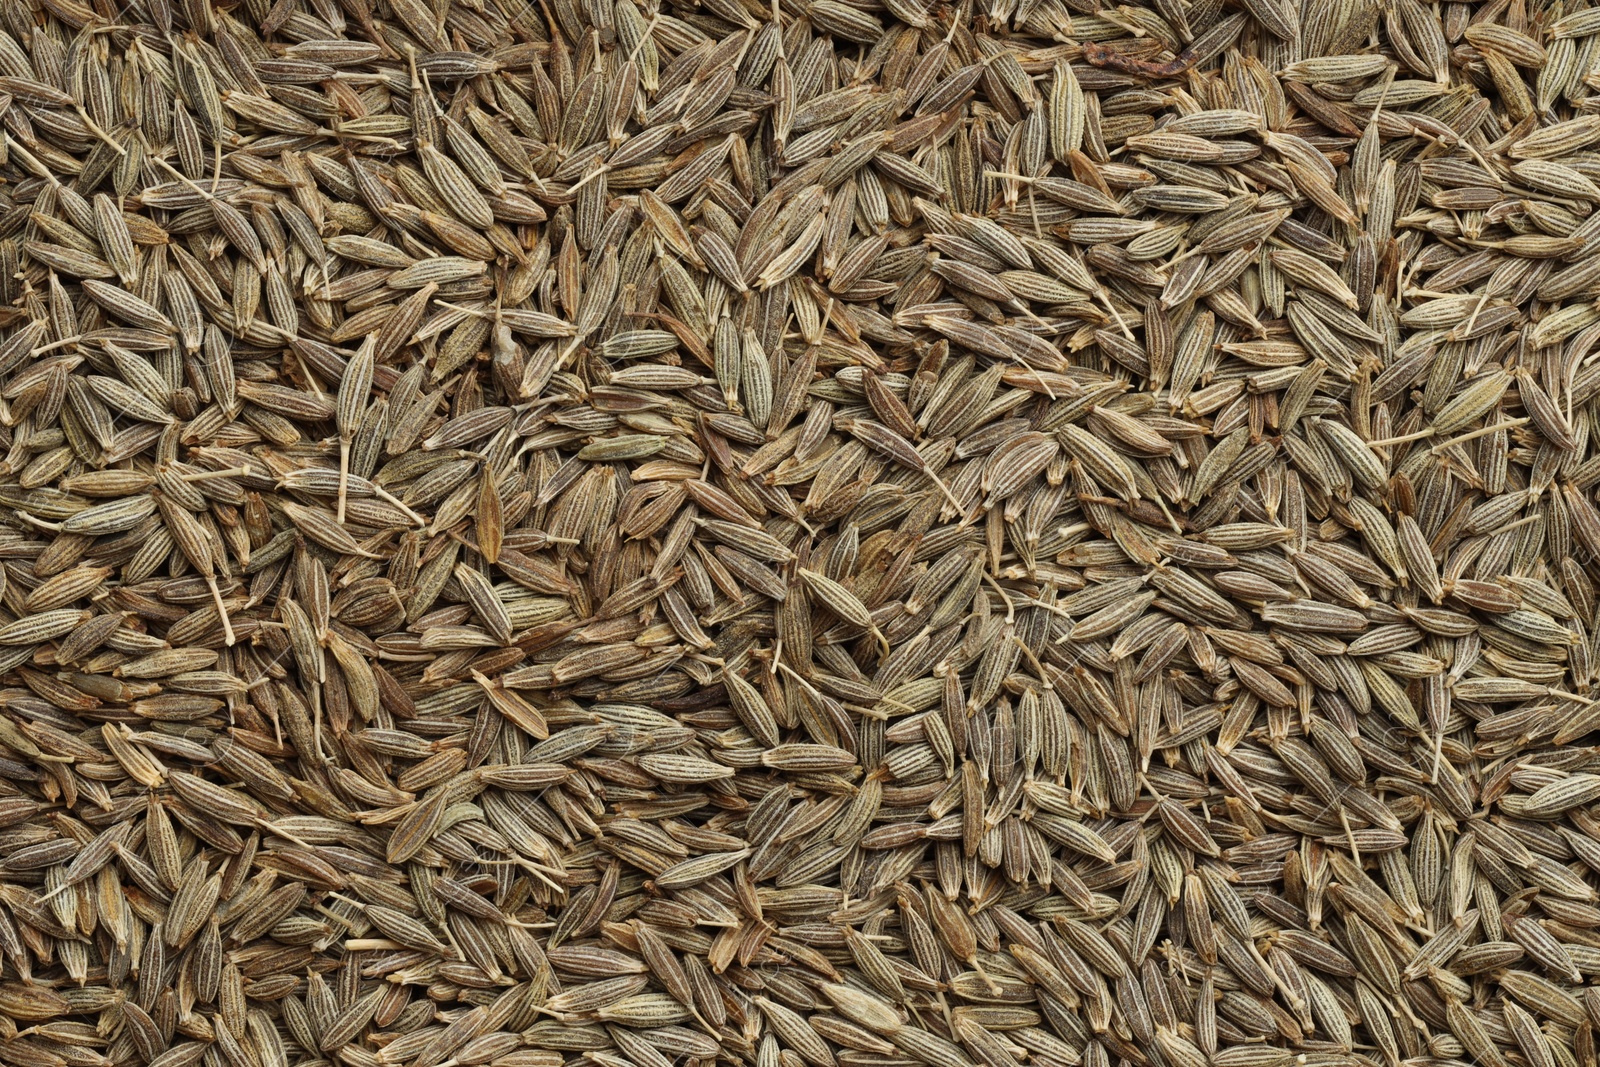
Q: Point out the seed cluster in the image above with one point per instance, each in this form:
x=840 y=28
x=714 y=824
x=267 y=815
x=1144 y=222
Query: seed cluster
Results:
x=831 y=533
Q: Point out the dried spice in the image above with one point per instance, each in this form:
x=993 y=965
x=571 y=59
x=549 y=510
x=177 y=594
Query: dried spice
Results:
x=826 y=533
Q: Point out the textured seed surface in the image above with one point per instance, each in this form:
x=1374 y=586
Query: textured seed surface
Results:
x=813 y=534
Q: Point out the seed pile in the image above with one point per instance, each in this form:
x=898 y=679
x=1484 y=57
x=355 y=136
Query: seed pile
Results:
x=821 y=534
